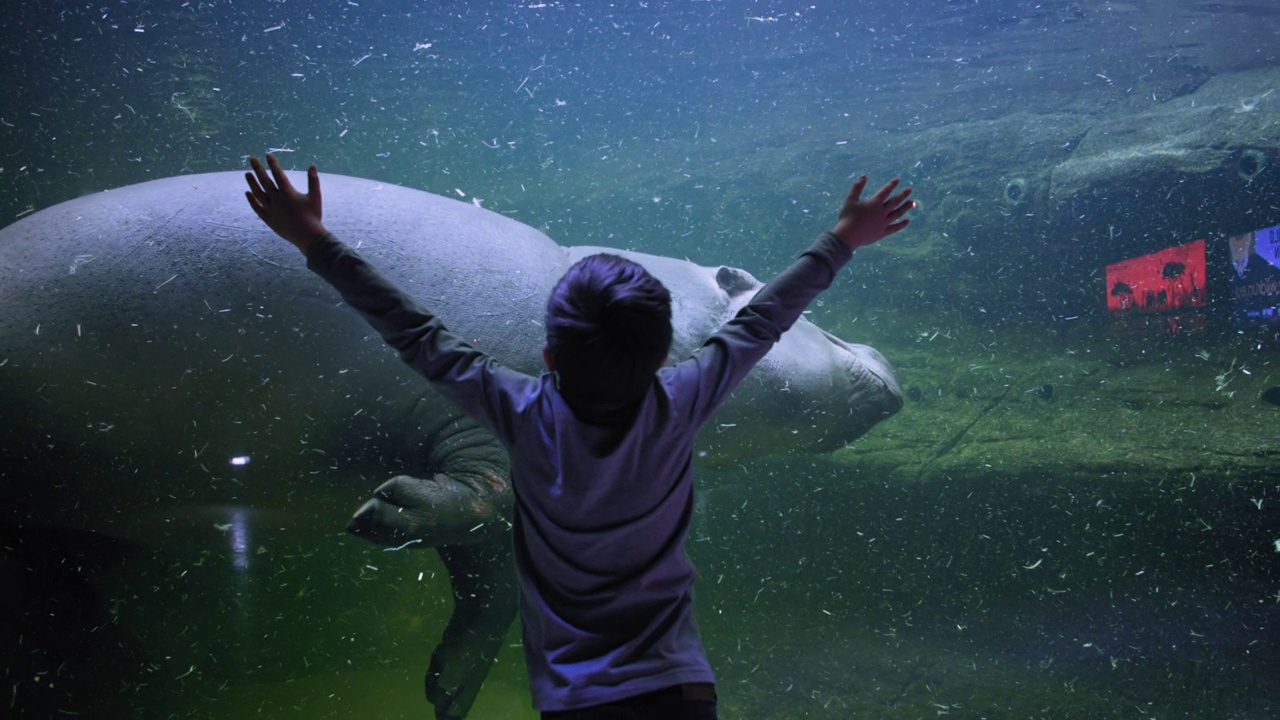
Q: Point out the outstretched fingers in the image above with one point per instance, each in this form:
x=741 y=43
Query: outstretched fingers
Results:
x=258 y=179
x=293 y=216
x=899 y=205
x=883 y=193
x=282 y=180
x=855 y=193
x=257 y=194
x=313 y=182
x=313 y=190
x=255 y=205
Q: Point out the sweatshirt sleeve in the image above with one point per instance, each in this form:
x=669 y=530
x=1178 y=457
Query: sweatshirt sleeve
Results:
x=724 y=360
x=477 y=383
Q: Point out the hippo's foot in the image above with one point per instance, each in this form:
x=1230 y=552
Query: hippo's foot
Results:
x=484 y=604
x=435 y=511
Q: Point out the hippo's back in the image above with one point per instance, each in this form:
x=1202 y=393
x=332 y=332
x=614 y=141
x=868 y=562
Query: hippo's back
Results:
x=157 y=330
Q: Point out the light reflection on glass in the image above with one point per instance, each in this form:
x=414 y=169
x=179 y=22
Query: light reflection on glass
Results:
x=239 y=533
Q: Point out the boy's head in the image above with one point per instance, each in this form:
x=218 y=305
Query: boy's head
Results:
x=608 y=331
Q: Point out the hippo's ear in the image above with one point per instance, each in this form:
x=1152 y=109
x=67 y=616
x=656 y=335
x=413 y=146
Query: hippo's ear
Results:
x=735 y=280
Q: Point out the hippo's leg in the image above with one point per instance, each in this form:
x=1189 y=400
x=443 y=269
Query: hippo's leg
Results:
x=484 y=604
x=461 y=506
x=458 y=486
x=442 y=509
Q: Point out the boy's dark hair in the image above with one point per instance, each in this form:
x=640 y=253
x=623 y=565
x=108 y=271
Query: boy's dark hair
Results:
x=608 y=331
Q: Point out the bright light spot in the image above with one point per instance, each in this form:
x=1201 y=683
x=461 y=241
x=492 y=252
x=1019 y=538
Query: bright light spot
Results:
x=240 y=460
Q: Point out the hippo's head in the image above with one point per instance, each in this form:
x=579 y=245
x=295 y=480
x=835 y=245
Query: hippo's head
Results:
x=813 y=391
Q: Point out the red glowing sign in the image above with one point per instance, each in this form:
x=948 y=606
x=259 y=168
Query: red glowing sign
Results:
x=1168 y=281
x=1169 y=284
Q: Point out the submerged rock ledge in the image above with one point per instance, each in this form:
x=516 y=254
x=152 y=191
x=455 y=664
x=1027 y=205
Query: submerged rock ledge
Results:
x=1192 y=417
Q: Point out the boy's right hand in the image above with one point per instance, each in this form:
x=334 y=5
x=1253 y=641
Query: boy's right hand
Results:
x=292 y=215
x=863 y=222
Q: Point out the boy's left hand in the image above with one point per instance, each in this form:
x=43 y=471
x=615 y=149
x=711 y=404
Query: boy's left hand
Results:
x=292 y=215
x=865 y=221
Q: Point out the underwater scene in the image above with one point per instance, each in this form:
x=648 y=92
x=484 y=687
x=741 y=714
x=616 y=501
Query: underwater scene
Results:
x=1023 y=461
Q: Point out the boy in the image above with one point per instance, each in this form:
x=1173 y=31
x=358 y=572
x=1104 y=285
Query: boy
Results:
x=601 y=446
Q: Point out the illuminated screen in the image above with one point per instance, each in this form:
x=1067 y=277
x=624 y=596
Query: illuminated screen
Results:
x=1164 y=290
x=1255 y=280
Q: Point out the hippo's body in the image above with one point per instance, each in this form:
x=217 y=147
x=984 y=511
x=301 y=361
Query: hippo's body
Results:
x=156 y=338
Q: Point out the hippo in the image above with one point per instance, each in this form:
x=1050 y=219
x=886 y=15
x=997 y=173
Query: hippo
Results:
x=156 y=340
